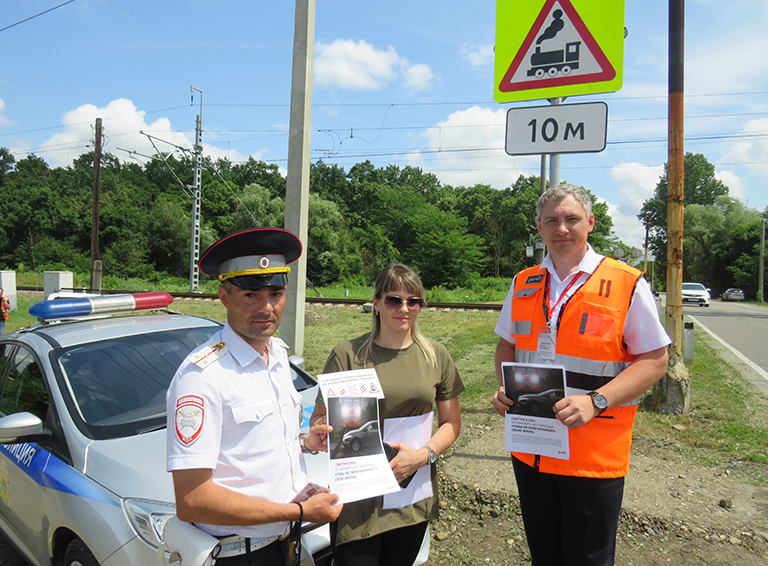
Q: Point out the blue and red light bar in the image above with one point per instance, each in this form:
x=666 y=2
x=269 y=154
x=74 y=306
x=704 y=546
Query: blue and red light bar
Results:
x=108 y=304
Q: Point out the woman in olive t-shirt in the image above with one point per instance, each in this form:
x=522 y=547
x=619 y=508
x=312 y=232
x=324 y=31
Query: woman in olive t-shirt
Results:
x=415 y=373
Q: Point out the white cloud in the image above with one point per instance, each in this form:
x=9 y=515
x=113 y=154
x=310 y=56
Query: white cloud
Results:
x=361 y=66
x=733 y=182
x=751 y=152
x=637 y=183
x=479 y=131
x=417 y=77
x=4 y=120
x=122 y=123
x=477 y=55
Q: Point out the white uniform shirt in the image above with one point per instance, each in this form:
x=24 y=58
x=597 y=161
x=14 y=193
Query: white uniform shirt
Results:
x=643 y=331
x=241 y=419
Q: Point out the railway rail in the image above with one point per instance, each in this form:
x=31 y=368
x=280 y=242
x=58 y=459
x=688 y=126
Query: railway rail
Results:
x=321 y=300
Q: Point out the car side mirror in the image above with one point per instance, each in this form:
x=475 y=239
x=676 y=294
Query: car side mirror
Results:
x=22 y=427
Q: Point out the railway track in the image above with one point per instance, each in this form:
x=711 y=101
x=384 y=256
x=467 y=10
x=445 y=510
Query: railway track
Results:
x=321 y=300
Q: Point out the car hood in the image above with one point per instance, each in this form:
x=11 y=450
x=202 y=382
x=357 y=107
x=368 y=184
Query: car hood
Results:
x=131 y=467
x=135 y=466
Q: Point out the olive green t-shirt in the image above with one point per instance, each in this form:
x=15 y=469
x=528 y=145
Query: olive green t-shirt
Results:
x=410 y=386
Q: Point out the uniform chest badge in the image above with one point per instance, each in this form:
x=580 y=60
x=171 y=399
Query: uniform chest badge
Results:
x=190 y=415
x=209 y=354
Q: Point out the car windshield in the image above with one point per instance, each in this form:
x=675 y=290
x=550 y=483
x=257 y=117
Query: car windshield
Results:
x=117 y=387
x=694 y=287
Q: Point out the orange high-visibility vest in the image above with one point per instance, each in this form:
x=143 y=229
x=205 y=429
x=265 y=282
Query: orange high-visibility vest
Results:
x=589 y=345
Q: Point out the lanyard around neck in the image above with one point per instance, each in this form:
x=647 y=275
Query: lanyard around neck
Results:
x=549 y=310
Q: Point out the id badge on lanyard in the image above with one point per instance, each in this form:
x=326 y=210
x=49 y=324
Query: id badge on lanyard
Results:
x=548 y=333
x=546 y=345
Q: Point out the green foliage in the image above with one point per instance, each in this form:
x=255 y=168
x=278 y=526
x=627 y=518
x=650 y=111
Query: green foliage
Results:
x=701 y=187
x=359 y=221
x=442 y=252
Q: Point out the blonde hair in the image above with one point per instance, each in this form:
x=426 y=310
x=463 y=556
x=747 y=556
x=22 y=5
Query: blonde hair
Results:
x=396 y=277
x=559 y=192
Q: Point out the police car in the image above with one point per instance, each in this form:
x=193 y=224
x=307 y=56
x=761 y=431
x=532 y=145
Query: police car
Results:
x=82 y=432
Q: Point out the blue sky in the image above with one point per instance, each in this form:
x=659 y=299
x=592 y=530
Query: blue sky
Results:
x=408 y=83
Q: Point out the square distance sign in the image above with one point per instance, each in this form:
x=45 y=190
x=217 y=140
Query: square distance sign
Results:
x=561 y=128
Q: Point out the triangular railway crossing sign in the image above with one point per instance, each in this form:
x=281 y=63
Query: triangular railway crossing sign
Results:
x=559 y=50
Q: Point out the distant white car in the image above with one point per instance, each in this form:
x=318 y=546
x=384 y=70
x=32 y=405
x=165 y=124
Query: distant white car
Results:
x=696 y=294
x=732 y=294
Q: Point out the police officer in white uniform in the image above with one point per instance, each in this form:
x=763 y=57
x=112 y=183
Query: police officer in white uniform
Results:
x=234 y=446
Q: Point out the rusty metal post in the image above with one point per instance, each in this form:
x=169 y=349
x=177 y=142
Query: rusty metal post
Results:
x=672 y=393
x=675 y=176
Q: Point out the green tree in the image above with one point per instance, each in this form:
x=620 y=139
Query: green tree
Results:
x=258 y=207
x=330 y=255
x=442 y=252
x=169 y=246
x=707 y=232
x=700 y=187
x=257 y=172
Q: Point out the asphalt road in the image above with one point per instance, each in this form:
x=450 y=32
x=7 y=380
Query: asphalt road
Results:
x=741 y=331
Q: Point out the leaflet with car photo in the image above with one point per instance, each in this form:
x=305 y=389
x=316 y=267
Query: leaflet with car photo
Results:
x=530 y=423
x=358 y=466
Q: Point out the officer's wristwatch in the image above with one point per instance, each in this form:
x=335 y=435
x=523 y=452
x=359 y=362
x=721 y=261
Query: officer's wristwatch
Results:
x=599 y=401
x=302 y=442
x=432 y=454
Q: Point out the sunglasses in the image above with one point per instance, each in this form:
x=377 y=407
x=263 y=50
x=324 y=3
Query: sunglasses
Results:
x=394 y=302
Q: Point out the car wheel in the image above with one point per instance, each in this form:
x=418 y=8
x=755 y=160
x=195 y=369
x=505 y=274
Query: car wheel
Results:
x=77 y=554
x=355 y=445
x=534 y=407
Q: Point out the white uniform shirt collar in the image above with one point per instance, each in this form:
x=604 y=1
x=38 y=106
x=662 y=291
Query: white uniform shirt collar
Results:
x=588 y=264
x=245 y=354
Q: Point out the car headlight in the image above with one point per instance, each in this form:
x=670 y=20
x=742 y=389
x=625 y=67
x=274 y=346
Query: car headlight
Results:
x=148 y=517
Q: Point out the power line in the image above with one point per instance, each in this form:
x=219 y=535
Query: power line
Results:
x=36 y=15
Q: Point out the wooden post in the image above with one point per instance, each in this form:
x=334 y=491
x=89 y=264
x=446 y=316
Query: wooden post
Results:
x=675 y=177
x=672 y=393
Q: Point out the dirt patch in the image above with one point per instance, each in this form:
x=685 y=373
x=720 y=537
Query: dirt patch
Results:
x=676 y=511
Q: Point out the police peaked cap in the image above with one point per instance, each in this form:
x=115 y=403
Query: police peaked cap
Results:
x=253 y=258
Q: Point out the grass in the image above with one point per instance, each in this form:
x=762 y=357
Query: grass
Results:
x=727 y=419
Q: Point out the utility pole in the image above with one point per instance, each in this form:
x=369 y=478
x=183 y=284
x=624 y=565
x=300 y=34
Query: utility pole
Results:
x=197 y=190
x=762 y=261
x=671 y=394
x=95 y=257
x=297 y=180
x=675 y=176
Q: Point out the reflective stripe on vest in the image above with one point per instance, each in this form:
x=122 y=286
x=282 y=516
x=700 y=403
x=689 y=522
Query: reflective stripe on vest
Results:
x=589 y=345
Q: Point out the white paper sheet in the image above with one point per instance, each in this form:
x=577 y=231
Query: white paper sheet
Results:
x=413 y=432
